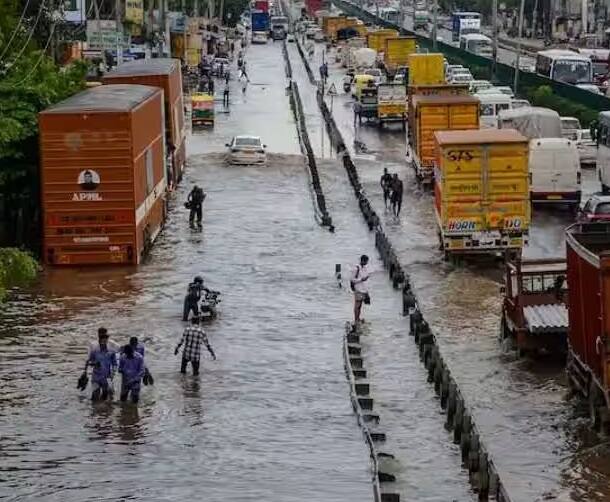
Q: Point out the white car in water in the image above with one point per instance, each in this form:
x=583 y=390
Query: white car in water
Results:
x=247 y=150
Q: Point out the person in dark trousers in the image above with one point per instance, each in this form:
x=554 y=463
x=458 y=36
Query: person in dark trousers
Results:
x=211 y=87
x=195 y=201
x=386 y=185
x=358 y=285
x=225 y=95
x=131 y=368
x=397 y=189
x=103 y=360
x=191 y=300
x=192 y=339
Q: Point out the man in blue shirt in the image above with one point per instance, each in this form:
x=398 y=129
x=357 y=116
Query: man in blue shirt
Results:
x=131 y=369
x=103 y=360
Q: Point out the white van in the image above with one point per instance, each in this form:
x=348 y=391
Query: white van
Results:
x=491 y=106
x=554 y=168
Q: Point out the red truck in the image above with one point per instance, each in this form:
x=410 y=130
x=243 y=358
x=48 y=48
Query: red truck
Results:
x=314 y=6
x=588 y=267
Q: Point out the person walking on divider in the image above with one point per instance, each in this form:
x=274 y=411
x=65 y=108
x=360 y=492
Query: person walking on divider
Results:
x=358 y=285
x=386 y=185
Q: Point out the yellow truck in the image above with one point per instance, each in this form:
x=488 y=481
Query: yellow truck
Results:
x=376 y=39
x=429 y=114
x=396 y=53
x=391 y=103
x=332 y=24
x=481 y=191
x=426 y=69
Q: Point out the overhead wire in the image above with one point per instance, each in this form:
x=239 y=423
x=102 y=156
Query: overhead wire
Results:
x=30 y=34
x=20 y=22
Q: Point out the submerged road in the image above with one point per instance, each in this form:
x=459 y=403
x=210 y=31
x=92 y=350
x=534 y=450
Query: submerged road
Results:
x=540 y=442
x=271 y=418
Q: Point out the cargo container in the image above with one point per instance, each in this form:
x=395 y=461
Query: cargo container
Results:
x=429 y=114
x=262 y=5
x=166 y=74
x=260 y=22
x=102 y=175
x=331 y=23
x=396 y=53
x=481 y=191
x=391 y=103
x=376 y=39
x=426 y=69
x=435 y=90
x=588 y=365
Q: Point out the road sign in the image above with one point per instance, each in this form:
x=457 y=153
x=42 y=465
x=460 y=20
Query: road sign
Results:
x=332 y=91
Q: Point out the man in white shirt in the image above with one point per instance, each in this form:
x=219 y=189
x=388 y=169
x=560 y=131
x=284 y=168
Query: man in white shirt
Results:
x=358 y=284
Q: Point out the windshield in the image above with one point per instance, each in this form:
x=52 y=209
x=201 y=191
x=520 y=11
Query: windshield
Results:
x=569 y=124
x=487 y=110
x=600 y=68
x=572 y=71
x=479 y=46
x=247 y=142
x=374 y=73
x=603 y=208
x=585 y=135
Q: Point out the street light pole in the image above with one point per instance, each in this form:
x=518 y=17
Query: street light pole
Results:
x=520 y=34
x=494 y=27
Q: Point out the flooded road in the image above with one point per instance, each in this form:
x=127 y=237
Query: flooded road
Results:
x=270 y=419
x=540 y=442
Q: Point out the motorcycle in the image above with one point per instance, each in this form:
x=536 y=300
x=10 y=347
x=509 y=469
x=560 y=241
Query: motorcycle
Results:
x=207 y=307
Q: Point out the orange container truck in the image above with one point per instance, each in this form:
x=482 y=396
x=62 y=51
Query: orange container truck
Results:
x=102 y=175
x=166 y=74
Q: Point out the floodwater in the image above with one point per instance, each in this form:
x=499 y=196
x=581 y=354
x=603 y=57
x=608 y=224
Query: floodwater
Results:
x=270 y=419
x=539 y=440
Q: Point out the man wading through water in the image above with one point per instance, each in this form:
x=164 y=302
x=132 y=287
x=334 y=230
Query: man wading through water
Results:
x=194 y=202
x=397 y=189
x=192 y=339
x=358 y=284
x=103 y=360
x=386 y=184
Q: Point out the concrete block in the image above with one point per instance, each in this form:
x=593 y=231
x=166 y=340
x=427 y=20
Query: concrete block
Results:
x=353 y=338
x=370 y=417
x=356 y=362
x=390 y=497
x=362 y=388
x=385 y=477
x=354 y=349
x=366 y=403
x=377 y=436
x=359 y=373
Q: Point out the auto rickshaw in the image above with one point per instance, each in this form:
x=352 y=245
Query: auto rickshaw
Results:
x=202 y=109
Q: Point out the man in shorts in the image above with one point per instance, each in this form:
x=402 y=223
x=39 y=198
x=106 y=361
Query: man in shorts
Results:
x=397 y=189
x=386 y=185
x=358 y=285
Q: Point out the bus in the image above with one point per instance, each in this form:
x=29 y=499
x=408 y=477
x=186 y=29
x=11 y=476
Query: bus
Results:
x=564 y=66
x=477 y=44
x=464 y=23
x=280 y=21
x=390 y=14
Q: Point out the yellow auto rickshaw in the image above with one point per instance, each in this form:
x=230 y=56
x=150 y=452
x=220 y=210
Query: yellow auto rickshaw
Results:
x=360 y=82
x=202 y=109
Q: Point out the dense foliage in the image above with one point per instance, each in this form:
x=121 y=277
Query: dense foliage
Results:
x=30 y=81
x=17 y=268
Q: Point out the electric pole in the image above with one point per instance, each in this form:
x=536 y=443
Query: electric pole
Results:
x=520 y=34
x=494 y=27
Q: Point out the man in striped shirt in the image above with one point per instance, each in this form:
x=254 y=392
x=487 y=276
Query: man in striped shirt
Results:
x=192 y=339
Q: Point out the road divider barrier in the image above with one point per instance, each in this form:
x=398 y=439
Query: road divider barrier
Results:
x=483 y=474
x=296 y=104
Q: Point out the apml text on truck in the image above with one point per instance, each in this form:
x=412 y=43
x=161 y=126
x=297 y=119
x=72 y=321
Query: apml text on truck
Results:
x=481 y=191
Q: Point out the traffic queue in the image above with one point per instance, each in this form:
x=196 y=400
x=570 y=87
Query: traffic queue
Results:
x=490 y=158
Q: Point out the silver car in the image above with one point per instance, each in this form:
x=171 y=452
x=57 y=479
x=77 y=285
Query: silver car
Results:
x=247 y=150
x=587 y=148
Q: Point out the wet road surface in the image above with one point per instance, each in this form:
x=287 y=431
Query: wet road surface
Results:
x=539 y=441
x=270 y=419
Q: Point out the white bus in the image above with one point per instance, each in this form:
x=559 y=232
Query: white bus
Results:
x=477 y=44
x=390 y=14
x=564 y=66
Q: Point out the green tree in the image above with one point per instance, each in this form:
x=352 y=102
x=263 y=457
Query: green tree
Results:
x=17 y=269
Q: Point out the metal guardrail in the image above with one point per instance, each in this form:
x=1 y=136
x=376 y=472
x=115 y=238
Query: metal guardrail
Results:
x=504 y=73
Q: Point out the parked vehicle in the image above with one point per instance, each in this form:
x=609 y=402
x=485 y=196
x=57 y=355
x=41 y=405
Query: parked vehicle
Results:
x=534 y=311
x=259 y=37
x=278 y=33
x=588 y=364
x=477 y=44
x=391 y=103
x=491 y=106
x=481 y=191
x=587 y=148
x=426 y=69
x=461 y=77
x=247 y=150
x=103 y=198
x=596 y=209
x=376 y=39
x=602 y=140
x=477 y=86
x=570 y=127
x=589 y=87
x=519 y=103
x=360 y=82
x=376 y=73
x=555 y=172
x=396 y=53
x=366 y=105
x=428 y=114
x=202 y=110
x=450 y=68
x=208 y=307
x=166 y=74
